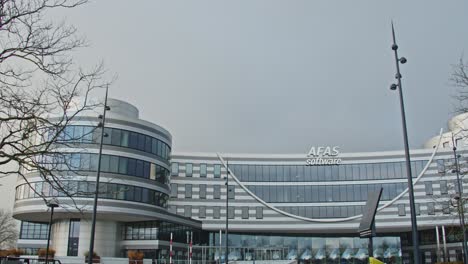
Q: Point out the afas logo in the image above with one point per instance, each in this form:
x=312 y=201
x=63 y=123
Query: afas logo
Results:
x=323 y=151
x=323 y=156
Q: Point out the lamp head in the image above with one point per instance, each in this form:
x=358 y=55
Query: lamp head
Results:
x=393 y=86
x=52 y=203
x=403 y=60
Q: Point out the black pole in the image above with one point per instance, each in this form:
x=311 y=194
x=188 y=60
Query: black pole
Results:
x=227 y=211
x=48 y=234
x=371 y=239
x=414 y=226
x=461 y=211
x=96 y=192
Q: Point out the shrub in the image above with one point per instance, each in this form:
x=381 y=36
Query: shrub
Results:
x=135 y=255
x=95 y=254
x=42 y=252
x=96 y=257
x=4 y=252
x=14 y=252
x=17 y=252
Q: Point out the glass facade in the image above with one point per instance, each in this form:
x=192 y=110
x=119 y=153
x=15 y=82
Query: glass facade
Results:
x=344 y=172
x=324 y=193
x=32 y=230
x=109 y=164
x=86 y=189
x=116 y=137
x=159 y=230
x=324 y=211
x=247 y=247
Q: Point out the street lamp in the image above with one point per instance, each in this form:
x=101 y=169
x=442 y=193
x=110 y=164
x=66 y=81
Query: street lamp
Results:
x=414 y=226
x=458 y=197
x=52 y=203
x=227 y=212
x=96 y=192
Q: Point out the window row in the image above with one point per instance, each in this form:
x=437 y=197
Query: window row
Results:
x=87 y=189
x=345 y=172
x=32 y=230
x=448 y=165
x=444 y=187
x=116 y=137
x=324 y=211
x=109 y=163
x=156 y=230
x=325 y=193
x=352 y=210
x=216 y=211
x=202 y=191
x=202 y=170
x=299 y=242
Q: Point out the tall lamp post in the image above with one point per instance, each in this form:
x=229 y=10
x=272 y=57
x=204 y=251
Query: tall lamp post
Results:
x=96 y=192
x=226 y=256
x=414 y=226
x=51 y=204
x=458 y=197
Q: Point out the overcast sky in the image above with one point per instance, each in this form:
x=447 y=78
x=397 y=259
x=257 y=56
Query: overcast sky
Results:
x=279 y=76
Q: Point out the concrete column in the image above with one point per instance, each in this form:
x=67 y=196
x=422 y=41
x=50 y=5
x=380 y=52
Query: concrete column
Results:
x=106 y=240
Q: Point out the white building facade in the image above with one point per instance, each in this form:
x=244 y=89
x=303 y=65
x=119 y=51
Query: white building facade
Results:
x=280 y=207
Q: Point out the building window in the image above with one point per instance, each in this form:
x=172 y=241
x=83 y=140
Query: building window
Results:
x=216 y=192
x=401 y=210
x=231 y=192
x=174 y=190
x=188 y=191
x=446 y=207
x=428 y=186
x=188 y=169
x=202 y=192
x=30 y=230
x=216 y=212
x=202 y=212
x=417 y=209
x=430 y=208
x=259 y=213
x=147 y=230
x=231 y=212
x=443 y=187
x=107 y=191
x=203 y=170
x=73 y=237
x=441 y=166
x=188 y=211
x=175 y=169
x=245 y=212
x=217 y=171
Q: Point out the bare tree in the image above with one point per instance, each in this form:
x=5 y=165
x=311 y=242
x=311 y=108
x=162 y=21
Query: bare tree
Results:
x=459 y=79
x=42 y=90
x=8 y=230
